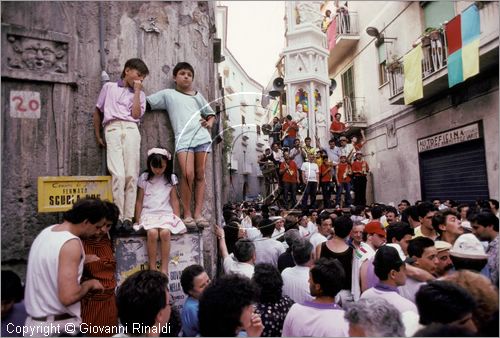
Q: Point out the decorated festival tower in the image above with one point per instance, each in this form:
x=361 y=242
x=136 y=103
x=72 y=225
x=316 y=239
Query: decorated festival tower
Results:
x=306 y=69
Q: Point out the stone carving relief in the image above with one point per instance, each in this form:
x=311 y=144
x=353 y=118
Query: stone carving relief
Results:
x=309 y=12
x=309 y=62
x=28 y=53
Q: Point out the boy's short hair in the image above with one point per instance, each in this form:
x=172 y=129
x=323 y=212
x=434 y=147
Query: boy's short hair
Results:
x=330 y=274
x=398 y=230
x=440 y=218
x=141 y=297
x=137 y=64
x=183 y=65
x=188 y=275
x=417 y=246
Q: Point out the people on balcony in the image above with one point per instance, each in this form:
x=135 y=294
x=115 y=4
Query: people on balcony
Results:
x=337 y=128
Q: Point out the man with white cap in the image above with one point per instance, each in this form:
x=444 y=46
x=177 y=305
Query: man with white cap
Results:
x=468 y=253
x=445 y=264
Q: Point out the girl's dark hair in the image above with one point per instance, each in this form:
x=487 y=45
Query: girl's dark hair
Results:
x=154 y=161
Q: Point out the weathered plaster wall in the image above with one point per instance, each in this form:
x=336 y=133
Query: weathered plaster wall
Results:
x=61 y=141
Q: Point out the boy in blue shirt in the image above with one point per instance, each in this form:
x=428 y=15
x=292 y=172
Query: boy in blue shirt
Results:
x=191 y=117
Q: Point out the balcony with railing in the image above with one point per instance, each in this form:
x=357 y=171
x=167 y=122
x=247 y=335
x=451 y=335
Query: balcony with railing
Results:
x=434 y=62
x=342 y=36
x=354 y=110
x=435 y=57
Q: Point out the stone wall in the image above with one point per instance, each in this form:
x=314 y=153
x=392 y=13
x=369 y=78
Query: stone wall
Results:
x=53 y=48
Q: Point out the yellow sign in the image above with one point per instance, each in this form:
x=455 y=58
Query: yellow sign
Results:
x=58 y=193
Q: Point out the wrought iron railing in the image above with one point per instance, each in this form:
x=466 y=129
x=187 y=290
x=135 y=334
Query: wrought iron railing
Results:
x=435 y=58
x=354 y=109
x=346 y=23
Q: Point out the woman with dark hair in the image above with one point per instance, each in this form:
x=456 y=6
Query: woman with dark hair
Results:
x=99 y=308
x=273 y=306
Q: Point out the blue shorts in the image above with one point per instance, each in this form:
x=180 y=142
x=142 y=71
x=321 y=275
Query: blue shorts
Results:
x=202 y=148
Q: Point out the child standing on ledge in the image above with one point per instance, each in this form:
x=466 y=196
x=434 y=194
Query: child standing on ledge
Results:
x=157 y=206
x=191 y=117
x=119 y=109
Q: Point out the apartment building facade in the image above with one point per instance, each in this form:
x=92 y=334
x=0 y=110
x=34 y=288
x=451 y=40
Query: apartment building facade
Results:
x=244 y=117
x=444 y=145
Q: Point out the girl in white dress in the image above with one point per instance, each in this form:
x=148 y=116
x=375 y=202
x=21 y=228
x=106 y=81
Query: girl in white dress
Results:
x=157 y=206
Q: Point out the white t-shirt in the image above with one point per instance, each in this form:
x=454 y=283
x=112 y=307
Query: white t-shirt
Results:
x=41 y=293
x=316 y=239
x=231 y=265
x=267 y=250
x=296 y=283
x=156 y=195
x=308 y=230
x=310 y=170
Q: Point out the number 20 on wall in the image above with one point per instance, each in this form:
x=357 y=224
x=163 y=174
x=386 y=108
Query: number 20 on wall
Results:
x=25 y=104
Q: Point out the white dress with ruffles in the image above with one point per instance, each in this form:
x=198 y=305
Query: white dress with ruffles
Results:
x=157 y=212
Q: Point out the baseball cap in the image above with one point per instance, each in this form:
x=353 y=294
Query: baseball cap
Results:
x=375 y=227
x=468 y=246
x=343 y=138
x=442 y=245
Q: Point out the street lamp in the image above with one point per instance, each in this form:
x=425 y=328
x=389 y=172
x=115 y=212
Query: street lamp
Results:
x=372 y=31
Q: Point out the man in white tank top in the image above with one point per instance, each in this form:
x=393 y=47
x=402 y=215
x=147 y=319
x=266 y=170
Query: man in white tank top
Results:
x=55 y=265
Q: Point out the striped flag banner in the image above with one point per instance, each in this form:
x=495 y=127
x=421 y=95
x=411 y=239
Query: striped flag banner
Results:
x=462 y=36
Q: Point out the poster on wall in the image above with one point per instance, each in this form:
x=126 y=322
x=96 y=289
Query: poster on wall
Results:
x=131 y=256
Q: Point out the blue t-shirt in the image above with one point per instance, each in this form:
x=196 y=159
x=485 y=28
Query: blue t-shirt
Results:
x=185 y=112
x=189 y=317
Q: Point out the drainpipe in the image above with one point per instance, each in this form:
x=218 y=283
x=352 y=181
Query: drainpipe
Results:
x=104 y=75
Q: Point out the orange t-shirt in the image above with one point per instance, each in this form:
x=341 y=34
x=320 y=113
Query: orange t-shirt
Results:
x=325 y=173
x=357 y=167
x=290 y=175
x=337 y=126
x=341 y=169
x=292 y=128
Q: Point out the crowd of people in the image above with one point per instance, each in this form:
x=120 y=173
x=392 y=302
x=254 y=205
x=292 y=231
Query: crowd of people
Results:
x=291 y=166
x=428 y=269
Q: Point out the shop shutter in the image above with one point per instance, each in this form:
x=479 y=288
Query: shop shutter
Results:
x=456 y=172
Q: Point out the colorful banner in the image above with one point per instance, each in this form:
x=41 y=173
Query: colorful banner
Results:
x=412 y=64
x=462 y=35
